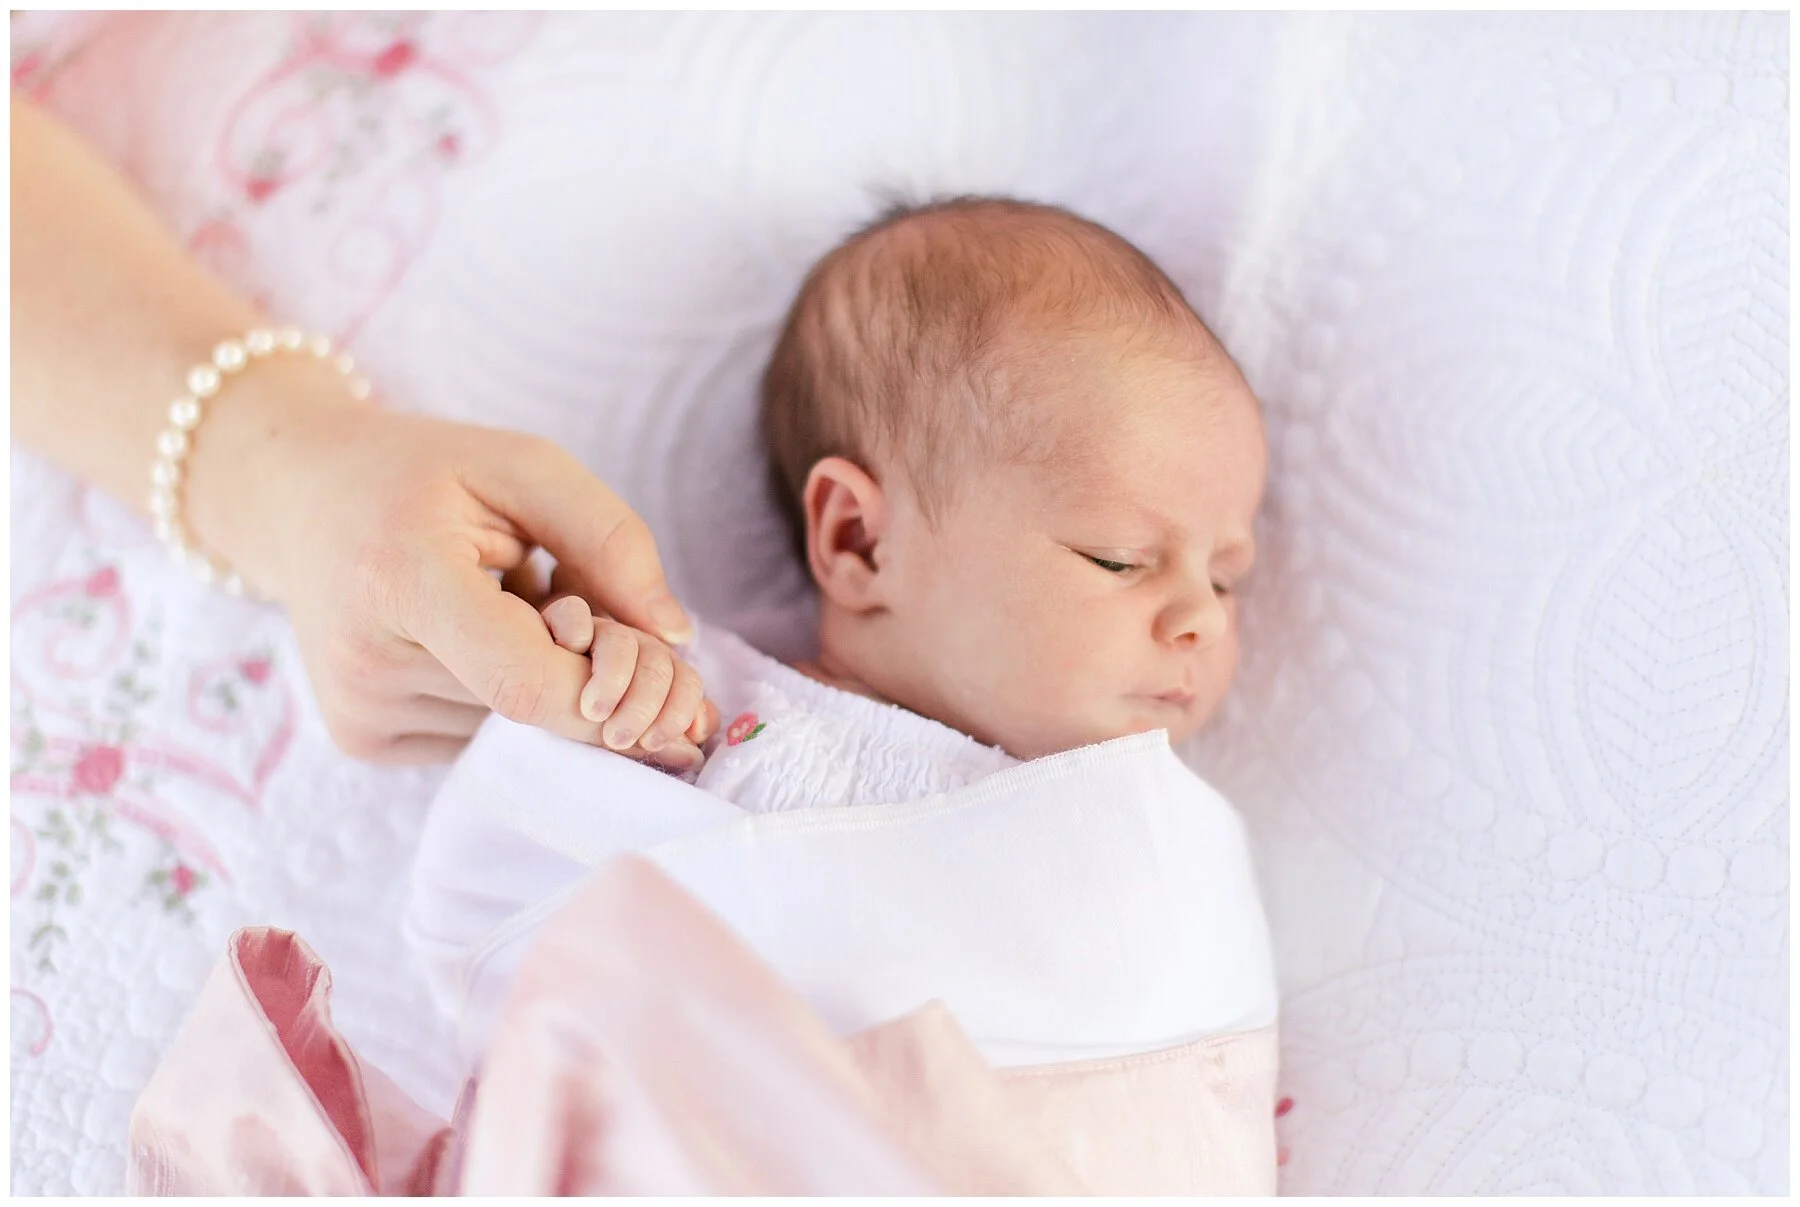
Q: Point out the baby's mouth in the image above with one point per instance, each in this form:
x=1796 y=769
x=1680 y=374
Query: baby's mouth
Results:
x=1180 y=698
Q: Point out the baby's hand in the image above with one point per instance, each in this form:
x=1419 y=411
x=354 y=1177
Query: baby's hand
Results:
x=649 y=703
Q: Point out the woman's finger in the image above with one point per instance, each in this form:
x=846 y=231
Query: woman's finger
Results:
x=549 y=495
x=428 y=716
x=417 y=748
x=366 y=716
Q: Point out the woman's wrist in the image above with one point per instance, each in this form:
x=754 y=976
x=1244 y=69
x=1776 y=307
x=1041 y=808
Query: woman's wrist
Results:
x=244 y=501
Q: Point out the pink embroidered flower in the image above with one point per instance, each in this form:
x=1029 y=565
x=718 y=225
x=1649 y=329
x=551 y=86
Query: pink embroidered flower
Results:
x=395 y=59
x=99 y=768
x=449 y=145
x=257 y=670
x=103 y=583
x=743 y=729
x=182 y=880
x=1283 y=1107
x=260 y=188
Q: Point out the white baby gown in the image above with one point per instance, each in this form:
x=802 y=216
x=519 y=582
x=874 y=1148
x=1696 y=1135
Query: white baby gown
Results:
x=790 y=742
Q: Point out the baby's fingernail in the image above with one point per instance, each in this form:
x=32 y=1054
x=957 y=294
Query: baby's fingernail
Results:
x=619 y=737
x=672 y=624
x=590 y=702
x=654 y=741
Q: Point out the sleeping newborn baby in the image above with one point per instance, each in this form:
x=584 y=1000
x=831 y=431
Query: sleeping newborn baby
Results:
x=1023 y=475
x=1021 y=472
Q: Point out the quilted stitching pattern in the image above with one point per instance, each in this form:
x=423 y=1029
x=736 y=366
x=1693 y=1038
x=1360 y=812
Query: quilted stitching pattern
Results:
x=1512 y=727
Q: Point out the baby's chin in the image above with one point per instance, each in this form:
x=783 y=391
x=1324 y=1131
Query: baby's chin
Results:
x=1179 y=725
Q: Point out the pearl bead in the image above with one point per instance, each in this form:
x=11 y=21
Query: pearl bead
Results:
x=230 y=356
x=204 y=568
x=290 y=338
x=345 y=363
x=172 y=444
x=165 y=472
x=359 y=388
x=233 y=585
x=165 y=528
x=184 y=413
x=162 y=504
x=203 y=381
x=259 y=342
x=319 y=346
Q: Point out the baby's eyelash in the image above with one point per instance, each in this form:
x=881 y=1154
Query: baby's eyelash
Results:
x=1111 y=567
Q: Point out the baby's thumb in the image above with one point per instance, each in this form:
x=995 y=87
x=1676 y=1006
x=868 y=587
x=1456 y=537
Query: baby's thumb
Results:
x=603 y=549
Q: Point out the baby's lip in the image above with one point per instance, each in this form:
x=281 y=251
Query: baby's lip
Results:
x=1181 y=697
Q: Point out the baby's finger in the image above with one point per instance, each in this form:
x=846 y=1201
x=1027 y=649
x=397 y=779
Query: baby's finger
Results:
x=686 y=698
x=644 y=699
x=615 y=656
x=706 y=723
x=571 y=624
x=678 y=757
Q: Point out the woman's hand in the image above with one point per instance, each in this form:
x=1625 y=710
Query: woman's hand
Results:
x=379 y=532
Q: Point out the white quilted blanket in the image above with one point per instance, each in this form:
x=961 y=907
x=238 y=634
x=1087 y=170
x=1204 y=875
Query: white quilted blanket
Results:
x=1511 y=729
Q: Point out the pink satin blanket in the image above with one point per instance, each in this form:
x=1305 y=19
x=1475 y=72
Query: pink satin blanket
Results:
x=644 y=1049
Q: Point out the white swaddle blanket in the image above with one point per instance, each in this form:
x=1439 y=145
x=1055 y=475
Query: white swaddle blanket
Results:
x=1098 y=902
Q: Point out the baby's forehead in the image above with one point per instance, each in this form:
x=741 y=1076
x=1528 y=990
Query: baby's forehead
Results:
x=1176 y=437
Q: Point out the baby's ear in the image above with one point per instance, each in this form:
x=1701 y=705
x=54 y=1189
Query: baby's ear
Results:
x=846 y=518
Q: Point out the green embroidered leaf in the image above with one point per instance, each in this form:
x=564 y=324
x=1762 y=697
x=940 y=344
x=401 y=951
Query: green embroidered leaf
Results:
x=755 y=731
x=72 y=894
x=46 y=891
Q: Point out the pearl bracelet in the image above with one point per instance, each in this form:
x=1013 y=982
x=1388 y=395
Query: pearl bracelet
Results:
x=229 y=358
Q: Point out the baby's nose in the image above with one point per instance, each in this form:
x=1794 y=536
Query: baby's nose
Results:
x=1196 y=623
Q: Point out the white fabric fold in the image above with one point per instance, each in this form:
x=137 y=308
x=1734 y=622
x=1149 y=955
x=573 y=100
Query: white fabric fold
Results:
x=1099 y=902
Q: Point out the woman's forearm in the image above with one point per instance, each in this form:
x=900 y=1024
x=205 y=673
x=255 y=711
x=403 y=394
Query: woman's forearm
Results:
x=108 y=312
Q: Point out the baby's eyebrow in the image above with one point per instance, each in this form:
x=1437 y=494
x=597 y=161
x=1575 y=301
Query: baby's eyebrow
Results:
x=1239 y=547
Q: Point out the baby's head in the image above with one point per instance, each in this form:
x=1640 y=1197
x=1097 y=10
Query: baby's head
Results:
x=1022 y=473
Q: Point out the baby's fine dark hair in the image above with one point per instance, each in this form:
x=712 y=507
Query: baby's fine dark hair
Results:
x=906 y=341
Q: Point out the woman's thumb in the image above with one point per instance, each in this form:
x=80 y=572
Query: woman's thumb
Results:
x=604 y=550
